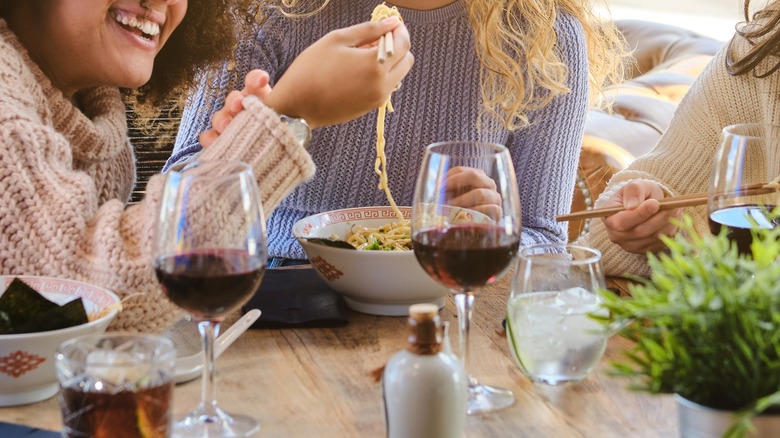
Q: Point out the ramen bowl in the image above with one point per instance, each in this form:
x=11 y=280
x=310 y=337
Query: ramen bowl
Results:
x=27 y=373
x=374 y=282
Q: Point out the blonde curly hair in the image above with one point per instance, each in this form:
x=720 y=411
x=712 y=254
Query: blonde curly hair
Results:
x=508 y=31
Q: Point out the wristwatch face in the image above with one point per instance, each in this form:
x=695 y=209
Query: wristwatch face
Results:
x=298 y=128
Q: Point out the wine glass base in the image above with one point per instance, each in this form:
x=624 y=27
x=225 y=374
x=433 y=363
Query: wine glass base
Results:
x=214 y=423
x=483 y=398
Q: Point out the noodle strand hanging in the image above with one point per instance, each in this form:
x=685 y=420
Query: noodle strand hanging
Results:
x=381 y=12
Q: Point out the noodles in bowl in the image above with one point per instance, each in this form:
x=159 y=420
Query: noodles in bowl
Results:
x=374 y=282
x=392 y=236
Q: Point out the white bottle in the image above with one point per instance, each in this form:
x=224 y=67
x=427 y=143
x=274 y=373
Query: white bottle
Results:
x=424 y=388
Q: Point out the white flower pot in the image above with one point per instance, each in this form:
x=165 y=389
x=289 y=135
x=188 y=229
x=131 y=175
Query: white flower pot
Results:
x=697 y=421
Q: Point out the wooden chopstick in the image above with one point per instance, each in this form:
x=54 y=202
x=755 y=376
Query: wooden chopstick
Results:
x=381 y=52
x=389 y=47
x=672 y=202
x=385 y=48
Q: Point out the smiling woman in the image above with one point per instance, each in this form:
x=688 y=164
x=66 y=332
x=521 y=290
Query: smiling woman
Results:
x=200 y=42
x=66 y=165
x=119 y=41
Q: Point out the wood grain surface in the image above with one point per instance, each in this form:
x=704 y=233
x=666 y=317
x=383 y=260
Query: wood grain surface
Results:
x=317 y=383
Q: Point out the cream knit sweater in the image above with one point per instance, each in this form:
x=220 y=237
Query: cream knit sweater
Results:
x=682 y=160
x=66 y=172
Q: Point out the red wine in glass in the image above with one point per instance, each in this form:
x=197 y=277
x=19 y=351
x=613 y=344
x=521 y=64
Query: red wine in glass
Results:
x=209 y=283
x=746 y=159
x=466 y=229
x=209 y=255
x=739 y=220
x=465 y=257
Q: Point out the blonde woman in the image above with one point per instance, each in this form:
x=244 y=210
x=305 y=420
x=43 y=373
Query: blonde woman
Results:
x=516 y=72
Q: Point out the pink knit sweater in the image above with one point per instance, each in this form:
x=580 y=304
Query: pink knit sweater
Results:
x=66 y=172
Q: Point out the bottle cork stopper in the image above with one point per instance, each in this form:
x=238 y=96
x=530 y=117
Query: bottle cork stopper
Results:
x=423 y=310
x=424 y=333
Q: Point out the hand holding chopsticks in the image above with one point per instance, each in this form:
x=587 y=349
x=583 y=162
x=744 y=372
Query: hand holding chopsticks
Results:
x=385 y=47
x=670 y=203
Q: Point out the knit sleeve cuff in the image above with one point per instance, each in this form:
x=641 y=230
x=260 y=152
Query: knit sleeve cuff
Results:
x=615 y=186
x=258 y=137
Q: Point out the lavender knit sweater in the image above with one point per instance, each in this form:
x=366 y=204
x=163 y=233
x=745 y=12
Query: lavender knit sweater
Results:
x=439 y=100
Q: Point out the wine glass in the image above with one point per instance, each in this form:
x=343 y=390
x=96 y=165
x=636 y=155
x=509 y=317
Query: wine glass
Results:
x=209 y=255
x=463 y=246
x=550 y=332
x=747 y=159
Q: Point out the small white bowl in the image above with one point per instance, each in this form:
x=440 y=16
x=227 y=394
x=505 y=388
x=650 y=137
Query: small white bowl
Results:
x=27 y=373
x=374 y=282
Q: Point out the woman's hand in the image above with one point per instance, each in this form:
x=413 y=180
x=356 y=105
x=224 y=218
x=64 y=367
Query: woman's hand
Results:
x=638 y=228
x=338 y=78
x=255 y=83
x=471 y=188
x=335 y=80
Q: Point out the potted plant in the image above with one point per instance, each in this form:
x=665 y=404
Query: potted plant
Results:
x=706 y=327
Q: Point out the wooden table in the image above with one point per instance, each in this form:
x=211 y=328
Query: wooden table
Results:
x=317 y=383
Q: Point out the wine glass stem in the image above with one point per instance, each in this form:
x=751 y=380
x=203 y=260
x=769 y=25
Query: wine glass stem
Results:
x=208 y=333
x=465 y=304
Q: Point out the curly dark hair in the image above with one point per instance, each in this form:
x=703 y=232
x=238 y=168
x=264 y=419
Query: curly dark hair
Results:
x=205 y=39
x=763 y=34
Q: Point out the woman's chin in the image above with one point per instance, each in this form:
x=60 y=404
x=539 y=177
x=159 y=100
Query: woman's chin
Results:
x=135 y=81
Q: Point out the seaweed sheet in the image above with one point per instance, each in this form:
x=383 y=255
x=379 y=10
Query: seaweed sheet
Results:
x=24 y=310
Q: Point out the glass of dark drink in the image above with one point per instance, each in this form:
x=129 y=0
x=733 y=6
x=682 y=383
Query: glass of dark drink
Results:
x=743 y=189
x=209 y=256
x=466 y=226
x=116 y=386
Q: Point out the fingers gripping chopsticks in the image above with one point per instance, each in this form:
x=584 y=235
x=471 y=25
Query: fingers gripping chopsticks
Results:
x=386 y=47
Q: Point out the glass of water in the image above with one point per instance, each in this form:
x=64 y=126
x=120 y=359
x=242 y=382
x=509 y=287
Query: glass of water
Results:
x=550 y=331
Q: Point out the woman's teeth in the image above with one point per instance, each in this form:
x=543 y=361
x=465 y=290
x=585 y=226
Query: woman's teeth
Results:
x=148 y=28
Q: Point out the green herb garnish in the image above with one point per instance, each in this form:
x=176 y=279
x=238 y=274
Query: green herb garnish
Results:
x=375 y=245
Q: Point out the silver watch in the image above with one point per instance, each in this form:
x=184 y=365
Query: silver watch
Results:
x=298 y=128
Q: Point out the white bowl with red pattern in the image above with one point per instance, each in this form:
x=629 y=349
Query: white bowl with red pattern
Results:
x=373 y=282
x=27 y=373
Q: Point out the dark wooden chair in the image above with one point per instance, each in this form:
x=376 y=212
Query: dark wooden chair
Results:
x=150 y=155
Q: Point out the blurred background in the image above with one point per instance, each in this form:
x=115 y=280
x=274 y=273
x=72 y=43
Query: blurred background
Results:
x=715 y=18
